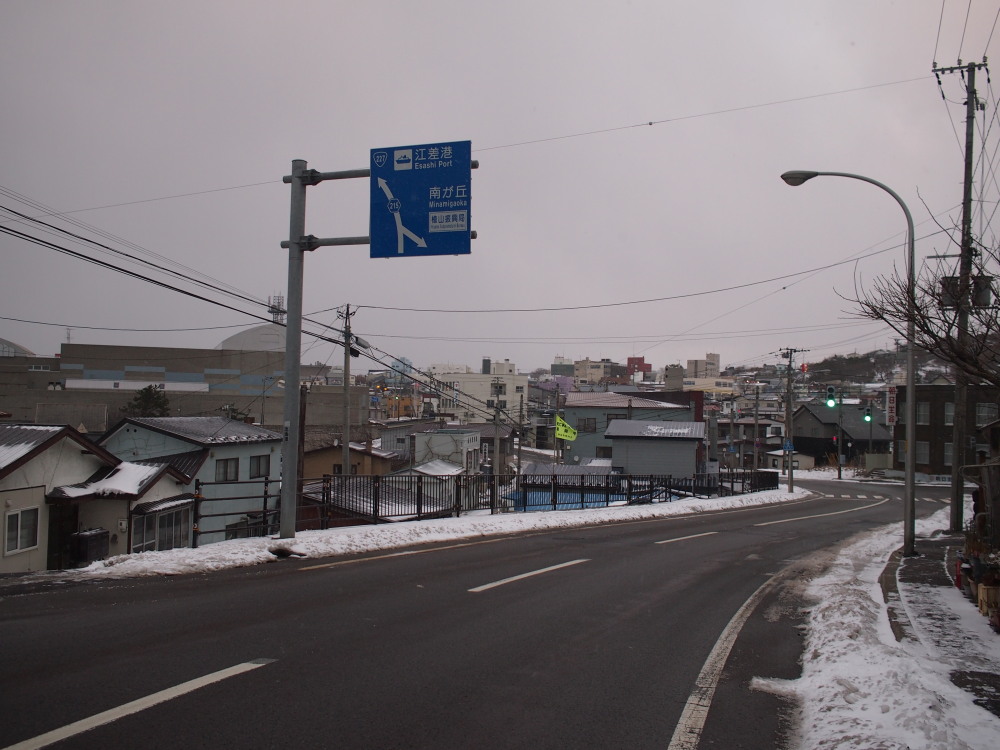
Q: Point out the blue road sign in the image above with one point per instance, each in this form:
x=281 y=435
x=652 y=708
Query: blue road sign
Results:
x=421 y=200
x=788 y=446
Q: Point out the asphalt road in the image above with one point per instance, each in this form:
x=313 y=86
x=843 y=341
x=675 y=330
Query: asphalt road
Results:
x=590 y=637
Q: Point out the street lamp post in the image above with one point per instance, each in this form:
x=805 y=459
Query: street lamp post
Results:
x=796 y=178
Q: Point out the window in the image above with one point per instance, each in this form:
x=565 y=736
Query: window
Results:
x=923 y=452
x=949 y=413
x=588 y=424
x=260 y=466
x=22 y=530
x=518 y=389
x=501 y=404
x=161 y=531
x=948 y=452
x=985 y=413
x=617 y=416
x=923 y=412
x=227 y=469
x=490 y=403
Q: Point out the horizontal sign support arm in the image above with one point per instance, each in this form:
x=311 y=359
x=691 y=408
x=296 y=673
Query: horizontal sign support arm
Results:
x=310 y=242
x=314 y=177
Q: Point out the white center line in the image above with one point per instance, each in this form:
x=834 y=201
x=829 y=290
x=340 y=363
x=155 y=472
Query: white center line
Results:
x=682 y=538
x=113 y=714
x=493 y=585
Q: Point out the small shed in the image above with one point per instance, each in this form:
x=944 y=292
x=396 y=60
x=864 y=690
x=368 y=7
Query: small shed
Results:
x=659 y=448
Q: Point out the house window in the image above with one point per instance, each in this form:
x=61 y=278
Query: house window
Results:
x=501 y=404
x=949 y=413
x=518 y=389
x=617 y=416
x=227 y=469
x=985 y=413
x=162 y=531
x=260 y=466
x=588 y=424
x=948 y=452
x=923 y=452
x=22 y=530
x=923 y=412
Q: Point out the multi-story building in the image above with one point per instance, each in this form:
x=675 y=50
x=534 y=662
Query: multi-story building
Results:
x=562 y=366
x=703 y=368
x=590 y=371
x=474 y=397
x=935 y=413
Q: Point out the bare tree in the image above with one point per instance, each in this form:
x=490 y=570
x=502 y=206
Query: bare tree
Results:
x=936 y=319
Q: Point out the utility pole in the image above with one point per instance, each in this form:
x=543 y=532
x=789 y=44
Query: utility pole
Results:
x=961 y=417
x=789 y=445
x=345 y=468
x=520 y=431
x=756 y=434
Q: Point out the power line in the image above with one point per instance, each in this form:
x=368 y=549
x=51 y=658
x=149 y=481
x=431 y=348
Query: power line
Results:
x=681 y=118
x=640 y=301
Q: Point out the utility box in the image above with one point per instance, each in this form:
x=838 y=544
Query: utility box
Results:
x=89 y=546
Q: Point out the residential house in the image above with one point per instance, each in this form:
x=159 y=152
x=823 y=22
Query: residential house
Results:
x=67 y=501
x=324 y=454
x=655 y=447
x=213 y=453
x=591 y=413
x=816 y=428
x=34 y=461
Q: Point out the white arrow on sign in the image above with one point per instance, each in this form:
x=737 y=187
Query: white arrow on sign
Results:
x=401 y=231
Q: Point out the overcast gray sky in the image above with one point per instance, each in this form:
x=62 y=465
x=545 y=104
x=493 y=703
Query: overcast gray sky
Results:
x=170 y=126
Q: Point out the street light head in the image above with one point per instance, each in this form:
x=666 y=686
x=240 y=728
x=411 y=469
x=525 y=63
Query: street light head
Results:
x=797 y=177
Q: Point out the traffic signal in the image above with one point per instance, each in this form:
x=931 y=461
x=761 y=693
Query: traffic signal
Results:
x=868 y=414
x=831 y=396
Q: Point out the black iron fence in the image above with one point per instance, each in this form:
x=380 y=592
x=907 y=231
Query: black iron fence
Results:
x=248 y=509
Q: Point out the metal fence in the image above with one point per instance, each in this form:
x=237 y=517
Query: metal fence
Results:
x=253 y=508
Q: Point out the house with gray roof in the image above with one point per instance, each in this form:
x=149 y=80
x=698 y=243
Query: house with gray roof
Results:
x=68 y=502
x=233 y=468
x=590 y=414
x=655 y=447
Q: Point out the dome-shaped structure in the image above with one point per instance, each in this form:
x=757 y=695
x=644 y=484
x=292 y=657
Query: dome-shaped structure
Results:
x=269 y=337
x=10 y=349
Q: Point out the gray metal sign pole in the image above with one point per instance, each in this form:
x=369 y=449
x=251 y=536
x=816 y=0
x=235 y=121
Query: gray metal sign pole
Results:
x=298 y=243
x=293 y=348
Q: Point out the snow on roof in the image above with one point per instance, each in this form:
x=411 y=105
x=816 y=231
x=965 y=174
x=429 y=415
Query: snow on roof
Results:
x=209 y=430
x=439 y=467
x=17 y=441
x=124 y=479
x=644 y=429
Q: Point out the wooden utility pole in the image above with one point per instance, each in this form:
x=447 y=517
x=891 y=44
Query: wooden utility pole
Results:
x=960 y=430
x=789 y=444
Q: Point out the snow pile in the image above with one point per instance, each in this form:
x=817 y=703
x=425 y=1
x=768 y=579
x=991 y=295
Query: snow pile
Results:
x=862 y=689
x=357 y=539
